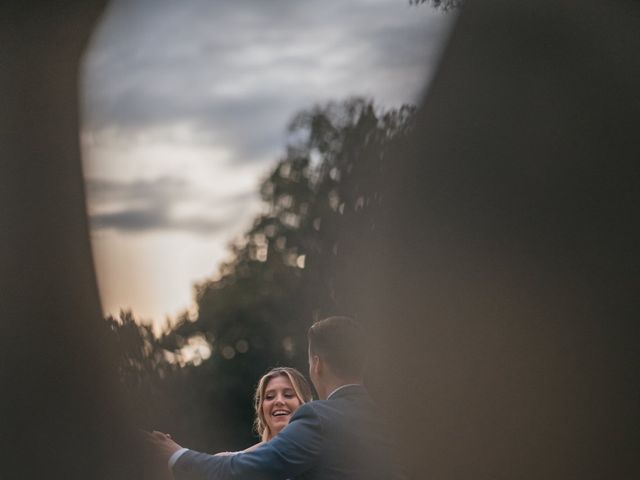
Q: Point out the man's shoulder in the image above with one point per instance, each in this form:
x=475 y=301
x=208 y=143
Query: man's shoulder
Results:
x=344 y=401
x=316 y=411
x=309 y=410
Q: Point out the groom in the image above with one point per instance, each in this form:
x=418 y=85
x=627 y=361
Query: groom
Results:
x=339 y=436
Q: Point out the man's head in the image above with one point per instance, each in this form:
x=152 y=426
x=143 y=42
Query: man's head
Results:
x=337 y=353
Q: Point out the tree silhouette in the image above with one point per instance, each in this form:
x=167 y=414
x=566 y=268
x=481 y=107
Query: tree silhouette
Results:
x=320 y=199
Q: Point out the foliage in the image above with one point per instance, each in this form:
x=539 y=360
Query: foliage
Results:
x=442 y=4
x=142 y=363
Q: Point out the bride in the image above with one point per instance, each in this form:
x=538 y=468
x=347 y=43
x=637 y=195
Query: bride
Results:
x=279 y=393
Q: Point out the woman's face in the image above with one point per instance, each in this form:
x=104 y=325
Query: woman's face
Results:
x=279 y=403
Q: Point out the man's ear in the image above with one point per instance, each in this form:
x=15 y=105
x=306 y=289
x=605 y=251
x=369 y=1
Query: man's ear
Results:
x=319 y=363
x=316 y=364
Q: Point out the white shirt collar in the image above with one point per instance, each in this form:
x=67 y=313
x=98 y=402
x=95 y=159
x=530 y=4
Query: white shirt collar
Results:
x=344 y=386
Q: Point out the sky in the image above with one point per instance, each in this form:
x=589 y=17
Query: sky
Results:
x=185 y=108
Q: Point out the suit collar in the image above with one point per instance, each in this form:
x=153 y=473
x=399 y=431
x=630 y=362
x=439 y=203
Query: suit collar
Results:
x=345 y=390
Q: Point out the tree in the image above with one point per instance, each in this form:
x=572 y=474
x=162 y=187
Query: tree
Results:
x=142 y=364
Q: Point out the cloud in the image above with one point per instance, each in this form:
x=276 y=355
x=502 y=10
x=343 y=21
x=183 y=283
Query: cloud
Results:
x=155 y=218
x=235 y=72
x=161 y=190
x=163 y=204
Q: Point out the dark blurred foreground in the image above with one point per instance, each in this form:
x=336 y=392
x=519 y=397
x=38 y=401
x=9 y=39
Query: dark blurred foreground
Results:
x=508 y=305
x=499 y=284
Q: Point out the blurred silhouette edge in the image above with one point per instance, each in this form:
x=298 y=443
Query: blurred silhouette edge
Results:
x=504 y=286
x=63 y=414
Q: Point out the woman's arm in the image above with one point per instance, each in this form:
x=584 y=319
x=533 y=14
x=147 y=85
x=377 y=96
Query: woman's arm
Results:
x=250 y=449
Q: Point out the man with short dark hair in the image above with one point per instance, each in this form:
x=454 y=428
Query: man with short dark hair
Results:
x=337 y=354
x=340 y=436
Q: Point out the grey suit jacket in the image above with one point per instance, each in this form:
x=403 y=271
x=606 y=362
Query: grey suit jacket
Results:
x=340 y=438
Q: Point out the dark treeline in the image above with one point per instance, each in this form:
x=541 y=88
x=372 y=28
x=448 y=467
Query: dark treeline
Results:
x=321 y=200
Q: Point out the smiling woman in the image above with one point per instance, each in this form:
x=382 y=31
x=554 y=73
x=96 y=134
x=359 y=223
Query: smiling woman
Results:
x=279 y=394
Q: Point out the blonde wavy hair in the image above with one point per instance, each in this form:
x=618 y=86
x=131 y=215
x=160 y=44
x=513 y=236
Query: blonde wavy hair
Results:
x=300 y=387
